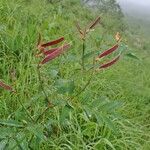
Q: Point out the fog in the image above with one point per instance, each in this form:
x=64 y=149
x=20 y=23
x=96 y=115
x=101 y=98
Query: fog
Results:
x=142 y=3
x=136 y=8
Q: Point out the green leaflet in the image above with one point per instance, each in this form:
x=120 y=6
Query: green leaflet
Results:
x=64 y=114
x=133 y=56
x=53 y=73
x=12 y=123
x=107 y=142
x=91 y=54
x=109 y=123
x=37 y=130
x=6 y=132
x=65 y=86
x=3 y=144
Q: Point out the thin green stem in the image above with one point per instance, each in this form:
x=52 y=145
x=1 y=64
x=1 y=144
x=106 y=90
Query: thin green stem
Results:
x=83 y=52
x=84 y=87
x=28 y=114
x=29 y=142
x=41 y=84
x=45 y=94
x=45 y=110
x=46 y=98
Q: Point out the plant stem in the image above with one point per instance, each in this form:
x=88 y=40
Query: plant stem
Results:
x=28 y=114
x=50 y=105
x=42 y=114
x=84 y=87
x=41 y=84
x=29 y=142
x=83 y=52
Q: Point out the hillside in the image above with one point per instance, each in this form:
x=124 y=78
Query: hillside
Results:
x=137 y=14
x=69 y=80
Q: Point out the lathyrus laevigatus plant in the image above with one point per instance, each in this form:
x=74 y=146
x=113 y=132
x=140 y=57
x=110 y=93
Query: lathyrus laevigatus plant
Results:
x=36 y=128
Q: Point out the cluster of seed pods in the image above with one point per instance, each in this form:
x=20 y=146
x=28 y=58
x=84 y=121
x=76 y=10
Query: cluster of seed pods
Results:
x=108 y=52
x=86 y=30
x=52 y=53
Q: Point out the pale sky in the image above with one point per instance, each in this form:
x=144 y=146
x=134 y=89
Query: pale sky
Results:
x=142 y=3
x=139 y=7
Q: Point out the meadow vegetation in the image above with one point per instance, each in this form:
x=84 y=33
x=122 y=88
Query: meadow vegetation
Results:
x=104 y=110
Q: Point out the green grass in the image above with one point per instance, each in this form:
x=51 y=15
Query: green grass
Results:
x=113 y=111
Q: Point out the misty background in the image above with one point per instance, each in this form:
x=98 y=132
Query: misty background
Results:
x=138 y=9
x=137 y=13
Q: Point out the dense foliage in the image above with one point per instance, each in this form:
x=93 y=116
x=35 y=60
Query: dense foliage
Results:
x=107 y=109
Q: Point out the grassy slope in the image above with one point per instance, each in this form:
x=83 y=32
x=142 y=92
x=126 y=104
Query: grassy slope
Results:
x=128 y=81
